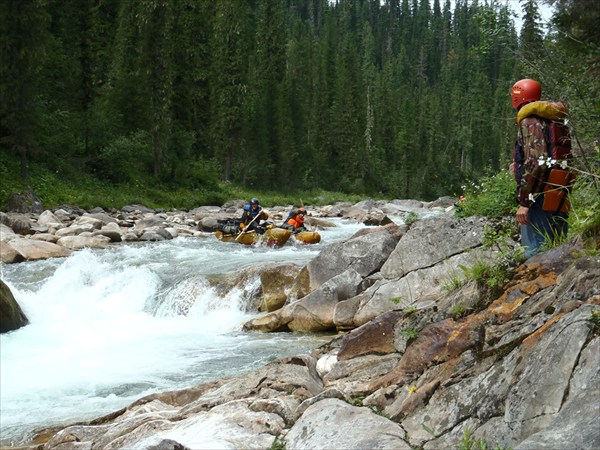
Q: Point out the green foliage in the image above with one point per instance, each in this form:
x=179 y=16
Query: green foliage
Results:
x=200 y=173
x=357 y=400
x=493 y=197
x=486 y=274
x=595 y=320
x=124 y=159
x=409 y=333
x=277 y=445
x=410 y=218
x=497 y=237
x=469 y=443
x=454 y=283
x=397 y=300
x=552 y=240
x=458 y=310
x=409 y=310
x=584 y=218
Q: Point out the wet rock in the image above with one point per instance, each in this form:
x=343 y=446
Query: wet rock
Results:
x=12 y=316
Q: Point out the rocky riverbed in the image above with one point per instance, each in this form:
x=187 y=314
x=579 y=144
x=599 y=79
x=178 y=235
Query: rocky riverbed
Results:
x=426 y=355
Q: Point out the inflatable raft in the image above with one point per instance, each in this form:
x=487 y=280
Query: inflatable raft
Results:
x=273 y=237
x=308 y=237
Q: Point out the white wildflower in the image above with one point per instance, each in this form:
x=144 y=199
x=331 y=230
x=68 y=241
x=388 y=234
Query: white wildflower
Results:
x=541 y=161
x=564 y=165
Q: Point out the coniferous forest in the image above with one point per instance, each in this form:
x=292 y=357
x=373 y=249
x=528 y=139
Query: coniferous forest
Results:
x=401 y=98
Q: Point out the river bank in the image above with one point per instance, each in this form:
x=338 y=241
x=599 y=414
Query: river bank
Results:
x=423 y=355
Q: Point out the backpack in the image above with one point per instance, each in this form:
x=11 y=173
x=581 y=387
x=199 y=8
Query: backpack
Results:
x=291 y=215
x=557 y=181
x=229 y=226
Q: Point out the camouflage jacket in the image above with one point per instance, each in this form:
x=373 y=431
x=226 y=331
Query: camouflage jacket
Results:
x=531 y=145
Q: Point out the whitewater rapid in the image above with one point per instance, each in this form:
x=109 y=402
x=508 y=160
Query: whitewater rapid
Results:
x=110 y=326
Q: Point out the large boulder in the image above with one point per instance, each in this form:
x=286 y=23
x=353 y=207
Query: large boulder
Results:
x=11 y=314
x=8 y=254
x=25 y=202
x=432 y=240
x=364 y=254
x=31 y=249
x=49 y=219
x=313 y=312
x=415 y=287
x=276 y=281
x=333 y=423
x=80 y=242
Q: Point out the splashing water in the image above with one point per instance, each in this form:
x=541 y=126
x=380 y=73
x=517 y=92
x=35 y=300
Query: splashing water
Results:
x=110 y=326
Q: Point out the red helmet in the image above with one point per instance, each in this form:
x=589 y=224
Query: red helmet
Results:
x=525 y=91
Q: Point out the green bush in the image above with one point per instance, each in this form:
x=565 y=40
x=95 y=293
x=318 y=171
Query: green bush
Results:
x=493 y=196
x=584 y=218
x=124 y=158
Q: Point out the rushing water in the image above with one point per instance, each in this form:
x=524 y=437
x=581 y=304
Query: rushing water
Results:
x=110 y=326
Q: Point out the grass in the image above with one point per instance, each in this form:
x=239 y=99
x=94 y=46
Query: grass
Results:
x=469 y=443
x=357 y=400
x=458 y=310
x=411 y=218
x=410 y=310
x=594 y=319
x=277 y=445
x=409 y=333
x=454 y=282
x=69 y=187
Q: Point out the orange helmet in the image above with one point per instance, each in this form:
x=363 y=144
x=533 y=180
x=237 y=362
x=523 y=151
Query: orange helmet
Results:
x=525 y=91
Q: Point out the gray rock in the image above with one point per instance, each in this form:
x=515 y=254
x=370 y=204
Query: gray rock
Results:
x=6 y=232
x=12 y=316
x=81 y=242
x=348 y=427
x=25 y=202
x=136 y=208
x=111 y=230
x=48 y=218
x=364 y=254
x=430 y=241
x=75 y=230
x=313 y=312
x=31 y=249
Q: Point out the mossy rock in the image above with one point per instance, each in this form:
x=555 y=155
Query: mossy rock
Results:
x=25 y=202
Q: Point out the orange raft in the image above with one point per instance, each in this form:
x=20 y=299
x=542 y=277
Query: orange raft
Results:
x=273 y=237
x=308 y=237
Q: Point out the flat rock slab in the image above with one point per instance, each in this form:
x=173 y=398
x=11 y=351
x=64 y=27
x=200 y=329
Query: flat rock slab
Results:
x=348 y=427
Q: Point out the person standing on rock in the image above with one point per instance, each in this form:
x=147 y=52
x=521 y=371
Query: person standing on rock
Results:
x=542 y=149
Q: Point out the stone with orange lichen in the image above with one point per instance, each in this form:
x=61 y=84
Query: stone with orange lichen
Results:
x=512 y=299
x=437 y=343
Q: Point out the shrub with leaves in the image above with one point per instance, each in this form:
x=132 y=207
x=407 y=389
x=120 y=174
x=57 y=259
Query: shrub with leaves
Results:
x=493 y=196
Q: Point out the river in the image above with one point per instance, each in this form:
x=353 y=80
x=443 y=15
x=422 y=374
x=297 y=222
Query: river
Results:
x=111 y=326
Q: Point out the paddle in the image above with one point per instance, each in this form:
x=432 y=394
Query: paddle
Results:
x=244 y=230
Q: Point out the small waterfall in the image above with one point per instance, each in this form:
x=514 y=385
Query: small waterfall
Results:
x=110 y=326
